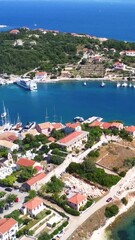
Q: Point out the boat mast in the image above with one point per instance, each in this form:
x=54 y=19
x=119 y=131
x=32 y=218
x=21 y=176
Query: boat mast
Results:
x=46 y=116
x=54 y=116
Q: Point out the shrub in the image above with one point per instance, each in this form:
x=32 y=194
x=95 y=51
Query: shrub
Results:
x=111 y=211
x=124 y=201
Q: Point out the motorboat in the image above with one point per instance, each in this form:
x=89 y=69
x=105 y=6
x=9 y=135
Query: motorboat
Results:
x=102 y=84
x=29 y=126
x=118 y=85
x=79 y=119
x=124 y=84
x=84 y=83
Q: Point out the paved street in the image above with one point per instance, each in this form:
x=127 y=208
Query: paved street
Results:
x=17 y=205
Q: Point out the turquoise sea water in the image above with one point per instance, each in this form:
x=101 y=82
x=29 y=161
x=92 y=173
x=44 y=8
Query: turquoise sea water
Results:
x=124 y=227
x=69 y=99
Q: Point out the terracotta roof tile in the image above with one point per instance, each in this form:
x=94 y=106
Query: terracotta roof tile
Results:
x=73 y=125
x=130 y=129
x=96 y=124
x=36 y=178
x=6 y=224
x=57 y=125
x=26 y=162
x=70 y=137
x=77 y=198
x=33 y=203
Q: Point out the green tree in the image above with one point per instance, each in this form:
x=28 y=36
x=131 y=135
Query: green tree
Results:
x=32 y=194
x=44 y=236
x=26 y=173
x=111 y=211
x=11 y=198
x=2 y=203
x=55 y=185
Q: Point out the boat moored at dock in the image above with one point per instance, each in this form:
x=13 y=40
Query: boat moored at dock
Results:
x=102 y=84
x=124 y=84
x=27 y=84
x=79 y=119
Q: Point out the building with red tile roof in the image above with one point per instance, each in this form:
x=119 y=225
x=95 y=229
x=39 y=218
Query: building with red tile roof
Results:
x=33 y=207
x=96 y=124
x=117 y=125
x=71 y=127
x=25 y=162
x=39 y=169
x=44 y=128
x=131 y=130
x=58 y=126
x=130 y=53
x=77 y=200
x=74 y=140
x=40 y=76
x=107 y=125
x=35 y=182
x=51 y=139
x=119 y=66
x=14 y=31
x=8 y=228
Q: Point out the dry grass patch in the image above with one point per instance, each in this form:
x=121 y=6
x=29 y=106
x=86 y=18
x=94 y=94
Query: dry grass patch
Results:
x=114 y=155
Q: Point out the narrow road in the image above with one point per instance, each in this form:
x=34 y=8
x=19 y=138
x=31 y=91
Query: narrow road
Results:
x=73 y=225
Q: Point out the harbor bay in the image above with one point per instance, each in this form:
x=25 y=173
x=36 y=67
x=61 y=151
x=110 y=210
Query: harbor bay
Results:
x=62 y=101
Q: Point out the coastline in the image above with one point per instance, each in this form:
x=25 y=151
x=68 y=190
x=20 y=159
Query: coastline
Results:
x=79 y=79
x=103 y=233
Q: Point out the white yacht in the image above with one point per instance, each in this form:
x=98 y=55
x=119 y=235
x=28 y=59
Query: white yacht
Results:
x=29 y=126
x=124 y=84
x=79 y=119
x=27 y=83
x=102 y=84
x=84 y=83
x=118 y=85
x=130 y=85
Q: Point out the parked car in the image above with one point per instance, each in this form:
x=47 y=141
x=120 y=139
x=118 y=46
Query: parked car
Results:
x=6 y=206
x=109 y=199
x=17 y=199
x=11 y=204
x=1 y=210
x=8 y=189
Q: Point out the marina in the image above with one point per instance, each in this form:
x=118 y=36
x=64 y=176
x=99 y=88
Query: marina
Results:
x=79 y=101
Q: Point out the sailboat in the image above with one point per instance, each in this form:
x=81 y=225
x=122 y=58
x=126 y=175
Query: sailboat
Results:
x=46 y=116
x=4 y=114
x=18 y=125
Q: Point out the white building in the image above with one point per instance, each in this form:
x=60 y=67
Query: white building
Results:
x=74 y=140
x=8 y=229
x=33 y=207
x=40 y=76
x=35 y=182
x=54 y=220
x=77 y=200
x=8 y=145
x=130 y=53
x=131 y=130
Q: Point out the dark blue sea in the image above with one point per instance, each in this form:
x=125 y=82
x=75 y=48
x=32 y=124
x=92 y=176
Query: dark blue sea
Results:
x=110 y=18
